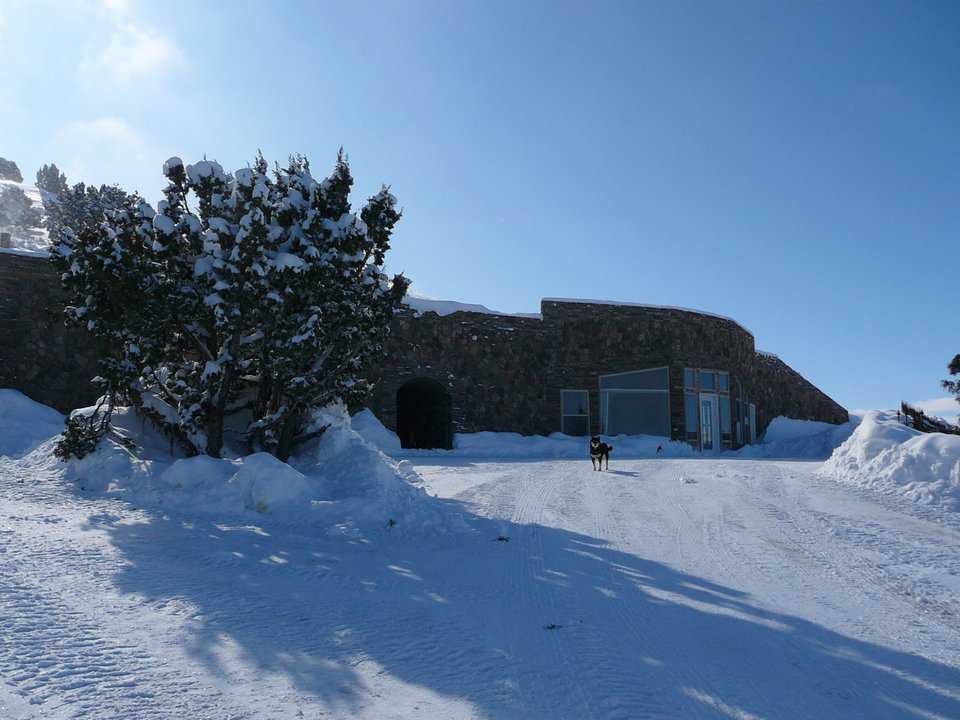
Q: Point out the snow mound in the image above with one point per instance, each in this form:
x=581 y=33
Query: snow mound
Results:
x=800 y=439
x=369 y=427
x=365 y=489
x=514 y=445
x=258 y=482
x=888 y=457
x=25 y=424
x=337 y=483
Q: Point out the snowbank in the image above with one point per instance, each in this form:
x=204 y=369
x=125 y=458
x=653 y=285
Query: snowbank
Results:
x=25 y=424
x=423 y=304
x=337 y=483
x=515 y=445
x=365 y=489
x=889 y=457
x=800 y=439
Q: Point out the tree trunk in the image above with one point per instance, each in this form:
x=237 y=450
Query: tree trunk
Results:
x=288 y=433
x=215 y=432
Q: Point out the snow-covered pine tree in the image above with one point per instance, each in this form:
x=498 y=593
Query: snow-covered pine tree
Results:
x=99 y=233
x=268 y=297
x=953 y=386
x=52 y=182
x=328 y=303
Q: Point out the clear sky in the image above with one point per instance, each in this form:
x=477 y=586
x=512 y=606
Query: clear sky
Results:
x=793 y=165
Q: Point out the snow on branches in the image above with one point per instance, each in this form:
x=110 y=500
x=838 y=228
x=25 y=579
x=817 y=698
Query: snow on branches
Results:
x=257 y=295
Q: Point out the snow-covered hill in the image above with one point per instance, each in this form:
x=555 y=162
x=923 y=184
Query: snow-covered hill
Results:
x=33 y=239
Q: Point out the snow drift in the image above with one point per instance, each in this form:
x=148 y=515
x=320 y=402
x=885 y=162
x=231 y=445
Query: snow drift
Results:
x=338 y=483
x=514 y=445
x=25 y=424
x=889 y=457
x=800 y=439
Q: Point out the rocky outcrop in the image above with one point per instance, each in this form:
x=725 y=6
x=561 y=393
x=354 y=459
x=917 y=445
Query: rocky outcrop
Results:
x=10 y=171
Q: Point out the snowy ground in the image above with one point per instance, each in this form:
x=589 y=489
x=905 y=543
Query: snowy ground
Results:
x=688 y=588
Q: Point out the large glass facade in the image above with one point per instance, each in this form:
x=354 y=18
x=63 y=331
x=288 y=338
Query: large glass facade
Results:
x=707 y=390
x=636 y=403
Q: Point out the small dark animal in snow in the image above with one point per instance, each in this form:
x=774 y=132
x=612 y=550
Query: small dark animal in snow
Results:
x=502 y=538
x=552 y=626
x=659 y=449
x=598 y=451
x=390 y=523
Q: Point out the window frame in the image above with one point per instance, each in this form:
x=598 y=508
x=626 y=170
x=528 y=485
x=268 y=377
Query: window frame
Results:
x=723 y=439
x=603 y=403
x=564 y=415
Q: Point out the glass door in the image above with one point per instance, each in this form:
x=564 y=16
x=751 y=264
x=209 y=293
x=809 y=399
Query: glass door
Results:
x=709 y=422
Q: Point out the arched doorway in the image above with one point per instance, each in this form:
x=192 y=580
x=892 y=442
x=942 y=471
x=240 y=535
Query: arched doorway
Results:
x=423 y=415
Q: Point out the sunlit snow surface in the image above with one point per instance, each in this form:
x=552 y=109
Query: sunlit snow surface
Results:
x=27 y=242
x=678 y=587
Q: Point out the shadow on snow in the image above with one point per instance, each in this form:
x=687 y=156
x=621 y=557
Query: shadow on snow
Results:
x=550 y=624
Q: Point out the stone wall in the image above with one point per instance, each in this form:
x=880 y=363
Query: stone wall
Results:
x=506 y=373
x=503 y=373
x=38 y=354
x=594 y=339
x=492 y=366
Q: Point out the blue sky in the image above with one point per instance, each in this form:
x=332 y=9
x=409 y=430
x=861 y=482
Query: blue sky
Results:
x=795 y=166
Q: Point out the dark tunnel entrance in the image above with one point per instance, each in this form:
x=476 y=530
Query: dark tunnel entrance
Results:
x=423 y=415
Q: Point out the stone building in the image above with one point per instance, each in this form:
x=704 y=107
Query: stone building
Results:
x=587 y=367
x=580 y=367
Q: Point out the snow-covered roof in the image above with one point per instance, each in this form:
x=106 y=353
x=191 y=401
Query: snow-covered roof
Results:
x=421 y=304
x=618 y=303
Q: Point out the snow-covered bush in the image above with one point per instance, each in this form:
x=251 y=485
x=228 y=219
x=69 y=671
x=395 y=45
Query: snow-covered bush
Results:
x=254 y=293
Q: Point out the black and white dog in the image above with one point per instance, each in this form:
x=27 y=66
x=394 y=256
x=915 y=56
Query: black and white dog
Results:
x=598 y=451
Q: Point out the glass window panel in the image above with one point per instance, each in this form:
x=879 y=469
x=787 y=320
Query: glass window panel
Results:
x=641 y=380
x=690 y=412
x=689 y=378
x=725 y=414
x=632 y=413
x=575 y=425
x=574 y=402
x=708 y=380
x=724 y=381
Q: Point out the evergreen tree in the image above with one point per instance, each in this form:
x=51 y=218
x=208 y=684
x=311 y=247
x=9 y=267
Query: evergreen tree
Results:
x=953 y=386
x=51 y=181
x=255 y=292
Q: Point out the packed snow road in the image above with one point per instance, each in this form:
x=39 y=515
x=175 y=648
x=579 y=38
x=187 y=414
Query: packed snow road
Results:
x=660 y=589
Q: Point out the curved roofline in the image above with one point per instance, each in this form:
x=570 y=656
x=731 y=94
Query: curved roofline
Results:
x=584 y=301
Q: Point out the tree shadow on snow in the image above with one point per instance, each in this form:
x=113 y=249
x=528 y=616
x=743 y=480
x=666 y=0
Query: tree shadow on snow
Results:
x=551 y=624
